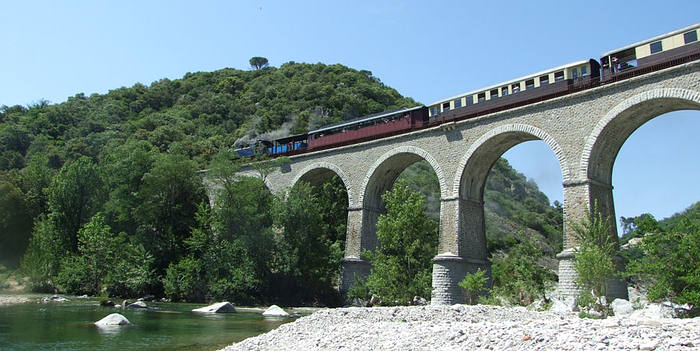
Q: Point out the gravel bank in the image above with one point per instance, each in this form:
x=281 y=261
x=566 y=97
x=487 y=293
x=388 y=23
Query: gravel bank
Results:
x=13 y=299
x=472 y=327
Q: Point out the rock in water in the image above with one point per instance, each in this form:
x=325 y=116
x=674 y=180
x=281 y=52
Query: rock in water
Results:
x=220 y=307
x=54 y=298
x=112 y=319
x=275 y=311
x=137 y=304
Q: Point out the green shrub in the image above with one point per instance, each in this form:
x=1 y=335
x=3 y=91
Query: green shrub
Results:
x=518 y=277
x=184 y=281
x=472 y=284
x=594 y=259
x=359 y=289
x=668 y=265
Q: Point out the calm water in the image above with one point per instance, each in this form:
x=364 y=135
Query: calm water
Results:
x=168 y=326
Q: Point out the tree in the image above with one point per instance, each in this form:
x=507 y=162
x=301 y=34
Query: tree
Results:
x=85 y=272
x=74 y=196
x=15 y=224
x=42 y=261
x=264 y=165
x=594 y=258
x=215 y=268
x=258 y=62
x=169 y=196
x=304 y=248
x=402 y=264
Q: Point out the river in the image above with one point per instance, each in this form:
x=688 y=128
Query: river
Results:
x=164 y=326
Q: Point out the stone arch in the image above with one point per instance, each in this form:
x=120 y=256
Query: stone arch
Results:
x=414 y=154
x=505 y=137
x=604 y=142
x=318 y=172
x=470 y=180
x=380 y=178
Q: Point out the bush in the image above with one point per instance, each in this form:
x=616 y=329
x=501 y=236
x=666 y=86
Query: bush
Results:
x=184 y=281
x=76 y=277
x=594 y=259
x=472 y=284
x=359 y=289
x=518 y=277
x=668 y=264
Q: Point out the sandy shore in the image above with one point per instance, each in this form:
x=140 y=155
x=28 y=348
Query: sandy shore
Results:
x=463 y=327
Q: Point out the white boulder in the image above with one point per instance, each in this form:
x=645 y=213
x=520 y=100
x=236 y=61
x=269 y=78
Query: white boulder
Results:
x=563 y=305
x=275 y=311
x=220 y=307
x=112 y=319
x=54 y=298
x=621 y=307
x=654 y=311
x=137 y=304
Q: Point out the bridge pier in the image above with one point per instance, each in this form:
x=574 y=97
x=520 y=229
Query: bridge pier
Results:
x=352 y=268
x=580 y=197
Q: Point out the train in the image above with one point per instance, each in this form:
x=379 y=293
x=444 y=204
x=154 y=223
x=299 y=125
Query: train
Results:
x=653 y=54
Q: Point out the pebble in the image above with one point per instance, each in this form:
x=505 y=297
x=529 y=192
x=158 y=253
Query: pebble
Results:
x=469 y=327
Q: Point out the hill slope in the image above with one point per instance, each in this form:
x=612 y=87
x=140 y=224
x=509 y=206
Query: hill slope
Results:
x=205 y=112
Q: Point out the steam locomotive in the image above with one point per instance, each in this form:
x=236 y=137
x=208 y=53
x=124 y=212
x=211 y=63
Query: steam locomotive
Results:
x=653 y=54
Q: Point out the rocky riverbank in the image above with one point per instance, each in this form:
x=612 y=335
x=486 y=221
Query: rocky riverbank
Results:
x=472 y=327
x=14 y=299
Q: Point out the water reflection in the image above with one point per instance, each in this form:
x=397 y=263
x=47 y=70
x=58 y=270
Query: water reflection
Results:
x=167 y=326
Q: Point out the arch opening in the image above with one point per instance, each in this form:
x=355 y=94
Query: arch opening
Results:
x=409 y=239
x=653 y=168
x=482 y=159
x=314 y=221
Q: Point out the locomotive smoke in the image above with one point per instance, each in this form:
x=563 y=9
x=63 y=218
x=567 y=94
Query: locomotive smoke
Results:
x=281 y=132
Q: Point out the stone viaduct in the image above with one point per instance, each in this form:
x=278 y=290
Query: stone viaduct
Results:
x=584 y=130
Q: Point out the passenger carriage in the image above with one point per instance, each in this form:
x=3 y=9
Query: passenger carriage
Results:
x=661 y=51
x=368 y=127
x=524 y=90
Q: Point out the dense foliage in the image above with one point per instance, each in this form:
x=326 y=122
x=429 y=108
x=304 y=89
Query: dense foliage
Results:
x=402 y=264
x=666 y=261
x=519 y=274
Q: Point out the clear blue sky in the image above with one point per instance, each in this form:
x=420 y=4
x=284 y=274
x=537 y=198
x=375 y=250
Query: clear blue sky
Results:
x=426 y=50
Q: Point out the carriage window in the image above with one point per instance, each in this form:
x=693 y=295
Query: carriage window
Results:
x=504 y=91
x=446 y=106
x=529 y=84
x=458 y=103
x=515 y=87
x=575 y=72
x=690 y=37
x=470 y=100
x=559 y=76
x=481 y=97
x=434 y=111
x=655 y=47
x=544 y=80
x=584 y=71
x=494 y=94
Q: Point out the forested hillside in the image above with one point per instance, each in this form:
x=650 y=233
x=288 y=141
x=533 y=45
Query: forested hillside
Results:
x=111 y=180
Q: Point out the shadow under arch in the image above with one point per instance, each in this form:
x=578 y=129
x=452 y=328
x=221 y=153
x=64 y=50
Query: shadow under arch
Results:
x=318 y=173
